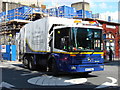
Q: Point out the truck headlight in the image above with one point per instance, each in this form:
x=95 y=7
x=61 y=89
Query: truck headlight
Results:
x=101 y=66
x=73 y=67
x=102 y=56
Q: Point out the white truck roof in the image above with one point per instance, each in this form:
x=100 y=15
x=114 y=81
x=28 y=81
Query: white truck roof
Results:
x=36 y=34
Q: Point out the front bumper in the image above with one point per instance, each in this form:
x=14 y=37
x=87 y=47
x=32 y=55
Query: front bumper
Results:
x=83 y=68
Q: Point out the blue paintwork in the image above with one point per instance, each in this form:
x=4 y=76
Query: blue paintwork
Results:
x=23 y=12
x=80 y=62
x=66 y=12
x=81 y=68
x=88 y=14
x=13 y=52
x=10 y=53
x=6 y=55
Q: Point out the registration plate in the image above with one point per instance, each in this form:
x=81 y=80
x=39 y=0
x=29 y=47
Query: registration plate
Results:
x=89 y=69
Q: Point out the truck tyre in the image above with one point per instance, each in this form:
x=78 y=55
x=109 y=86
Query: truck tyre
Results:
x=25 y=61
x=86 y=74
x=54 y=68
x=31 y=63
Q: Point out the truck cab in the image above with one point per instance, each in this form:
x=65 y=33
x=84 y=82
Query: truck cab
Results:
x=78 y=48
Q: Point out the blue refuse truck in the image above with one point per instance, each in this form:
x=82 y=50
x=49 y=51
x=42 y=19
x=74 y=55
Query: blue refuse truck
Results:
x=61 y=45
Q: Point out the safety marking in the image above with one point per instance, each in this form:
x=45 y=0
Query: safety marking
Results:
x=6 y=85
x=77 y=81
x=34 y=72
x=45 y=80
x=108 y=84
x=3 y=66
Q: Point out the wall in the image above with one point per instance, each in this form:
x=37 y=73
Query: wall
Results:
x=79 y=6
x=23 y=2
x=119 y=12
x=10 y=5
x=0 y=5
x=113 y=31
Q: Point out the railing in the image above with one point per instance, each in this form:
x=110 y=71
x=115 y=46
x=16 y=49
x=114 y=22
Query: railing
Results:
x=18 y=15
x=23 y=16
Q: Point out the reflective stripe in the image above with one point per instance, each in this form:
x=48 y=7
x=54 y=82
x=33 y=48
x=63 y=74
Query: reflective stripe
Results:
x=80 y=52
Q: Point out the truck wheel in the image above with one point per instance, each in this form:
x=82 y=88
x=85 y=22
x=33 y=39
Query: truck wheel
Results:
x=25 y=61
x=31 y=63
x=54 y=68
x=86 y=73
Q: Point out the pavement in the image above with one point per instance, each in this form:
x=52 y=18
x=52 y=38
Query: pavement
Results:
x=114 y=60
x=11 y=62
x=13 y=70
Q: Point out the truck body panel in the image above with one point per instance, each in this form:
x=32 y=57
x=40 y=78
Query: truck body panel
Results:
x=35 y=36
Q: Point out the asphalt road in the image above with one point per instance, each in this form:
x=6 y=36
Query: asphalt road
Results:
x=15 y=76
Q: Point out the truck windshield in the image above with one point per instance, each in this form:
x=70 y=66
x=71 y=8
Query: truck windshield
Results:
x=86 y=39
x=78 y=39
x=62 y=39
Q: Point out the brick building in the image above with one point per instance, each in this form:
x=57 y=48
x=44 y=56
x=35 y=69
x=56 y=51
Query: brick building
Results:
x=111 y=36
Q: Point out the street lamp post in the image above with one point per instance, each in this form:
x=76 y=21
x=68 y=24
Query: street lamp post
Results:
x=83 y=7
x=37 y=4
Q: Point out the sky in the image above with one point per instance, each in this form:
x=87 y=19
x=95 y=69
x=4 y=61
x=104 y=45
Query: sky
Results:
x=104 y=7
